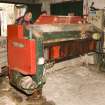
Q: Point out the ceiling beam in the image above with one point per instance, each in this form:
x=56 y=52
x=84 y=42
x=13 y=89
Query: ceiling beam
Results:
x=34 y=1
x=20 y=1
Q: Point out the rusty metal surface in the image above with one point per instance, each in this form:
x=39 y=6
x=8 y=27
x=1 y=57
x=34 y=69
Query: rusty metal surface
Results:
x=63 y=27
x=55 y=27
x=73 y=39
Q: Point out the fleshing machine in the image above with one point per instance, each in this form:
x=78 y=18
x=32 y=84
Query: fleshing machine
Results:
x=31 y=51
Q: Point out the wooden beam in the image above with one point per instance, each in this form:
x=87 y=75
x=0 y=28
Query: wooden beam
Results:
x=20 y=1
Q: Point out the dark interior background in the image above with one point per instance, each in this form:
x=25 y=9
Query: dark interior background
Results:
x=66 y=7
x=36 y=10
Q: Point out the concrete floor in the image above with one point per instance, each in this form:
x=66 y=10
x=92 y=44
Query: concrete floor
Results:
x=71 y=84
x=76 y=85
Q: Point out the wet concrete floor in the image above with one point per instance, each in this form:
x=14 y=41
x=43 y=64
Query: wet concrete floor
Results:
x=11 y=96
x=73 y=84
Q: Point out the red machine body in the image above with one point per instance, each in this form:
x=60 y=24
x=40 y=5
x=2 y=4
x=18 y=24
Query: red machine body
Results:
x=22 y=51
x=58 y=20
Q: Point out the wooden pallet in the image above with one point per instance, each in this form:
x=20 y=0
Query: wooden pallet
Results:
x=3 y=71
x=3 y=55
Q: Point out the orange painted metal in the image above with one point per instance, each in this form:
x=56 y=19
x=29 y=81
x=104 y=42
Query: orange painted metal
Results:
x=58 y=20
x=21 y=52
x=55 y=52
x=15 y=31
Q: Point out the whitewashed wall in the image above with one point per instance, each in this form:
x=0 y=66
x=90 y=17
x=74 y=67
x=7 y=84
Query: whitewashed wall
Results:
x=9 y=9
x=6 y=17
x=100 y=4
